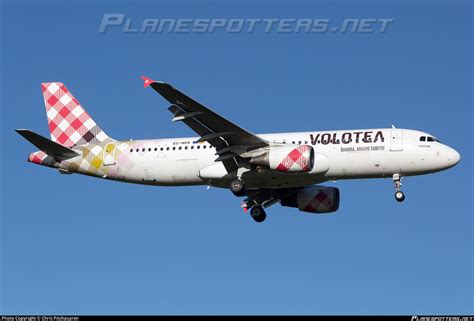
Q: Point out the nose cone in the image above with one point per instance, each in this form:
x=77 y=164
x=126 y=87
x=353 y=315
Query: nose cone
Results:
x=453 y=157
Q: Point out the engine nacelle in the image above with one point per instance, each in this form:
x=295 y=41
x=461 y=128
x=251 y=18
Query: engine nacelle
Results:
x=287 y=158
x=314 y=199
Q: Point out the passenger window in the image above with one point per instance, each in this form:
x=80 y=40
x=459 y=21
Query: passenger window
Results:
x=161 y=149
x=204 y=146
x=137 y=150
x=299 y=142
x=192 y=147
x=198 y=146
x=143 y=149
x=179 y=147
x=430 y=139
x=293 y=142
x=131 y=151
x=149 y=149
x=422 y=138
x=167 y=148
x=156 y=148
x=185 y=147
x=174 y=148
x=306 y=142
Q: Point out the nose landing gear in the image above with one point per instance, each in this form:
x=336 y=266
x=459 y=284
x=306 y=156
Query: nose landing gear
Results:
x=399 y=195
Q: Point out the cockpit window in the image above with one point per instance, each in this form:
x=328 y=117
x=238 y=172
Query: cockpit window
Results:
x=428 y=139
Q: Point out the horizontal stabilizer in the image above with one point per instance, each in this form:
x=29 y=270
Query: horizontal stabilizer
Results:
x=49 y=147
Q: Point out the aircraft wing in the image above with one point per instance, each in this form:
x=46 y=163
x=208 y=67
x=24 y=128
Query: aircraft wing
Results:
x=221 y=133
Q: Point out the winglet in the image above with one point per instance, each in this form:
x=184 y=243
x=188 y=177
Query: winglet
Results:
x=147 y=81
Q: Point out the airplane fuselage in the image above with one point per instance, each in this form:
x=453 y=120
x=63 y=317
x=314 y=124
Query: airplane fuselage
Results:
x=346 y=154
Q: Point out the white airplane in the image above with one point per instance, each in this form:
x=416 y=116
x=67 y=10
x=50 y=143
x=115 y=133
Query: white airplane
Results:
x=284 y=168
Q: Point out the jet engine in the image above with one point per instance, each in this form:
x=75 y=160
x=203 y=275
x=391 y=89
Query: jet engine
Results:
x=287 y=158
x=314 y=199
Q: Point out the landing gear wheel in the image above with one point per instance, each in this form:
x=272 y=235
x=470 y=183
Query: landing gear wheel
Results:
x=237 y=187
x=399 y=196
x=258 y=214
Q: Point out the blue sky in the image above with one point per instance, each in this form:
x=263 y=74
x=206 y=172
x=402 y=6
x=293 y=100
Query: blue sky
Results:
x=77 y=245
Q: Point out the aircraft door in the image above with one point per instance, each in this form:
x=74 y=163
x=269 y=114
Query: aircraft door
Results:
x=109 y=155
x=396 y=140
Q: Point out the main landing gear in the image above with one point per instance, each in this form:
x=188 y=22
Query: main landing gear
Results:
x=237 y=187
x=256 y=201
x=399 y=195
x=258 y=214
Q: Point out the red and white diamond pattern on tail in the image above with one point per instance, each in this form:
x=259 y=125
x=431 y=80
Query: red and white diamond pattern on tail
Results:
x=296 y=160
x=69 y=124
